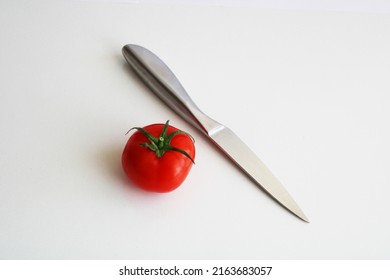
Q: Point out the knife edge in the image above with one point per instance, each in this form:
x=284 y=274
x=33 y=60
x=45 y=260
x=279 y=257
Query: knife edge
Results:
x=234 y=148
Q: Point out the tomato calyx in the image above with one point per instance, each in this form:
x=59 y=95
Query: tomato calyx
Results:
x=161 y=144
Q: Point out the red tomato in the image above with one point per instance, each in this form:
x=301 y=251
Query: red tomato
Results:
x=158 y=157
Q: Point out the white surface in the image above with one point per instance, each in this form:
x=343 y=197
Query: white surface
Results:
x=377 y=6
x=307 y=90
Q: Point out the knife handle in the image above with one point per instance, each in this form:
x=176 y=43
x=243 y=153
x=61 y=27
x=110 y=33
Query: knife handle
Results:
x=161 y=80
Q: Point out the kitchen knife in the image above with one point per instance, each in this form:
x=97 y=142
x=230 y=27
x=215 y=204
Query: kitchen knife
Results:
x=161 y=80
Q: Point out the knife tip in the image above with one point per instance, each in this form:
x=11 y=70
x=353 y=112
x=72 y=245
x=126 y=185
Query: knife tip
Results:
x=306 y=220
x=303 y=217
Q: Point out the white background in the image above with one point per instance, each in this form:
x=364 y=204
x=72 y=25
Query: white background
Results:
x=306 y=87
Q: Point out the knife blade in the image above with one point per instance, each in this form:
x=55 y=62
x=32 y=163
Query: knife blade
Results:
x=161 y=80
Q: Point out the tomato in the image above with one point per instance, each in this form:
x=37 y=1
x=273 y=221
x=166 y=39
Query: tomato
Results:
x=158 y=157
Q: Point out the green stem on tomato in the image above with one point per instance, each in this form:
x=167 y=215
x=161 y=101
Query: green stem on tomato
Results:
x=162 y=144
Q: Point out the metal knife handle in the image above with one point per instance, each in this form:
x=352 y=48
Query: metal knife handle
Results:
x=161 y=80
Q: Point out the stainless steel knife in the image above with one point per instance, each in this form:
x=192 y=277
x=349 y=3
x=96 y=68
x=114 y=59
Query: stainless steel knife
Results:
x=161 y=80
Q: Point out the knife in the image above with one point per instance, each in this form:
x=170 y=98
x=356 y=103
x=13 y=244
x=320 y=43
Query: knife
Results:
x=161 y=80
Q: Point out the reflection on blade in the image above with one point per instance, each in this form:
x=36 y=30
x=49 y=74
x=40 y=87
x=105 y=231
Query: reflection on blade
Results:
x=247 y=160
